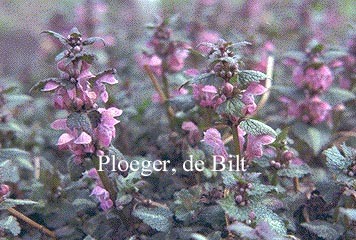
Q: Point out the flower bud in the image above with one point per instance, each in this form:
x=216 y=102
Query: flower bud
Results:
x=287 y=155
x=238 y=198
x=4 y=189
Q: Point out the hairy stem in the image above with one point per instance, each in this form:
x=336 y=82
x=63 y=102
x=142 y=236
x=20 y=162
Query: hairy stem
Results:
x=26 y=219
x=296 y=184
x=235 y=135
x=162 y=94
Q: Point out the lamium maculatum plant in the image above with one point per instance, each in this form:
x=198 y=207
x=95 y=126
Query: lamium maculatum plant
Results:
x=89 y=127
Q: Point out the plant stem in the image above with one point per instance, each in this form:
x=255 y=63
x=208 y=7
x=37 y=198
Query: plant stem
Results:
x=235 y=135
x=26 y=219
x=169 y=110
x=296 y=184
x=107 y=184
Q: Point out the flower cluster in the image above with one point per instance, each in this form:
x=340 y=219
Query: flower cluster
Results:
x=226 y=84
x=347 y=76
x=89 y=129
x=241 y=195
x=99 y=191
x=165 y=55
x=314 y=77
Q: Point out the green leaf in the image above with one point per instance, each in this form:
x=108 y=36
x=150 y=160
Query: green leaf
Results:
x=231 y=107
x=289 y=91
x=20 y=157
x=182 y=103
x=197 y=236
x=82 y=204
x=62 y=39
x=187 y=202
x=10 y=223
x=247 y=76
x=294 y=171
x=9 y=90
x=9 y=203
x=350 y=213
x=207 y=79
x=60 y=56
x=256 y=128
x=230 y=208
x=9 y=172
x=93 y=40
x=335 y=161
x=336 y=96
x=324 y=229
x=79 y=121
x=243 y=230
x=15 y=100
x=40 y=85
x=157 y=218
x=316 y=137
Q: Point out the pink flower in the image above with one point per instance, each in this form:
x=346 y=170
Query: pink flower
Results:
x=207 y=36
x=206 y=95
x=254 y=147
x=154 y=62
x=103 y=196
x=99 y=87
x=191 y=72
x=315 y=79
x=248 y=97
x=176 y=60
x=212 y=138
x=315 y=110
x=105 y=131
x=293 y=108
x=193 y=130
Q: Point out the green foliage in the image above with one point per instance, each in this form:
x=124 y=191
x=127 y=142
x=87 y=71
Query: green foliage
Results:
x=9 y=203
x=335 y=161
x=18 y=156
x=207 y=79
x=182 y=102
x=157 y=218
x=294 y=171
x=337 y=95
x=241 y=213
x=56 y=35
x=316 y=137
x=187 y=203
x=247 y=76
x=231 y=107
x=9 y=172
x=93 y=40
x=350 y=213
x=255 y=127
x=10 y=223
x=79 y=121
x=324 y=229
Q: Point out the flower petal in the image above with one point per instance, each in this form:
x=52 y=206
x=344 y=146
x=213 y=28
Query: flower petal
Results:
x=64 y=139
x=59 y=124
x=83 y=138
x=51 y=85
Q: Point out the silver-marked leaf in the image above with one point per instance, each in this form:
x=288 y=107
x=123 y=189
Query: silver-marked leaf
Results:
x=248 y=76
x=256 y=128
x=62 y=39
x=157 y=218
x=10 y=223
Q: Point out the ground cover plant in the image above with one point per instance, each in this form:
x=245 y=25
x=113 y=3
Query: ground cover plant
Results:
x=200 y=120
